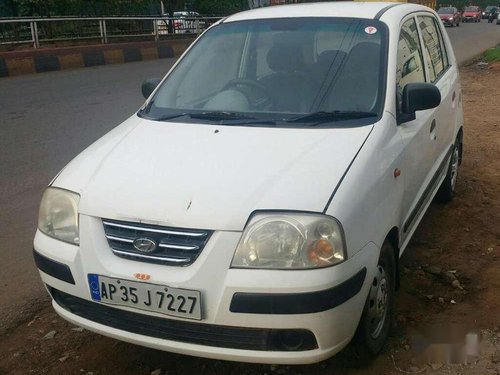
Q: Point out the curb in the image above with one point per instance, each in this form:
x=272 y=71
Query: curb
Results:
x=18 y=63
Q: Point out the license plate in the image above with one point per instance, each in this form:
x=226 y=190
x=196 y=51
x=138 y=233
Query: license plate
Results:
x=162 y=299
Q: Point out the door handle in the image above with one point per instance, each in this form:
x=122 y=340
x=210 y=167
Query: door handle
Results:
x=432 y=131
x=433 y=126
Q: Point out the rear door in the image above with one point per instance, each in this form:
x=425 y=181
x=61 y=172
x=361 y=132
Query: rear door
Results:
x=443 y=74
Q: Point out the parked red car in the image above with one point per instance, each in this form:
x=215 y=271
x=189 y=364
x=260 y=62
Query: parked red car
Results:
x=450 y=16
x=471 y=13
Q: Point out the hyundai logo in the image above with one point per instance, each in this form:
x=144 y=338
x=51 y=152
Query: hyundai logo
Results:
x=144 y=245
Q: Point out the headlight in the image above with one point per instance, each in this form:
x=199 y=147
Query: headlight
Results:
x=450 y=18
x=290 y=241
x=58 y=215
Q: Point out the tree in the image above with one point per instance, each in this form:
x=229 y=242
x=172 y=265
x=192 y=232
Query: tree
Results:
x=219 y=7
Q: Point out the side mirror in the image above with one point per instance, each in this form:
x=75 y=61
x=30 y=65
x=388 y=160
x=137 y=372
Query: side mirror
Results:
x=418 y=97
x=149 y=85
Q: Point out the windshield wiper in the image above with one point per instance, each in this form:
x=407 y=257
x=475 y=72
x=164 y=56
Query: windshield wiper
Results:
x=211 y=115
x=219 y=116
x=169 y=117
x=325 y=116
x=232 y=118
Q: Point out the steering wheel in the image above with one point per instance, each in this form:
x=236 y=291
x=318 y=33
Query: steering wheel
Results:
x=256 y=93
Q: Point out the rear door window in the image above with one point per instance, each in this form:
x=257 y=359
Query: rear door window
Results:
x=434 y=50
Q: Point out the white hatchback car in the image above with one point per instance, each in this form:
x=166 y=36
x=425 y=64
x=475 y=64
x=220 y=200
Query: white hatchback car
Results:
x=256 y=207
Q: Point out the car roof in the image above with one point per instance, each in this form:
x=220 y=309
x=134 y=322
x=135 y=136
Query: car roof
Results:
x=352 y=9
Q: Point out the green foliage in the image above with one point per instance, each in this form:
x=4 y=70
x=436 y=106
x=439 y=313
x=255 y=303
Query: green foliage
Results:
x=219 y=7
x=51 y=8
x=492 y=54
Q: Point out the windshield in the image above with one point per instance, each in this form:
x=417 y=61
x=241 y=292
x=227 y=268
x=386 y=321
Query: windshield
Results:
x=471 y=9
x=488 y=8
x=279 y=69
x=445 y=11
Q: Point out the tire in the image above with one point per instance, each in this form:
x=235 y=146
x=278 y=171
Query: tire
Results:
x=376 y=321
x=458 y=23
x=446 y=191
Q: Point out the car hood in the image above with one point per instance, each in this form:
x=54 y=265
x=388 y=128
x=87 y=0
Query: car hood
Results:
x=207 y=176
x=471 y=13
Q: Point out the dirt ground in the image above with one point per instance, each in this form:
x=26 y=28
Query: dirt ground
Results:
x=450 y=287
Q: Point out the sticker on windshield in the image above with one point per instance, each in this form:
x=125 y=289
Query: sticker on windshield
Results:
x=370 y=30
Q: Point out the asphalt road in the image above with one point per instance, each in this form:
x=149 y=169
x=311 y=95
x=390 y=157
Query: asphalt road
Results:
x=471 y=39
x=47 y=119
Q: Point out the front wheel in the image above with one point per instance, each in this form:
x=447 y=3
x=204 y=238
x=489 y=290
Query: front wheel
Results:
x=376 y=321
x=446 y=191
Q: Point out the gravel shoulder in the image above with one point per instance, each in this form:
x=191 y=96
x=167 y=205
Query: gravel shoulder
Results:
x=449 y=288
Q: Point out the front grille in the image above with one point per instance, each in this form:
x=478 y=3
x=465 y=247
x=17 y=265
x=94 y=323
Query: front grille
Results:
x=172 y=246
x=188 y=332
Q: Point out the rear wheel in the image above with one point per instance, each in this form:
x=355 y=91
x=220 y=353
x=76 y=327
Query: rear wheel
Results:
x=446 y=191
x=376 y=321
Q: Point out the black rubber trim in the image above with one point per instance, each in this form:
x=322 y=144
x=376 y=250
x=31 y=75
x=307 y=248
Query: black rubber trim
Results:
x=298 y=303
x=383 y=10
x=263 y=339
x=55 y=269
x=428 y=190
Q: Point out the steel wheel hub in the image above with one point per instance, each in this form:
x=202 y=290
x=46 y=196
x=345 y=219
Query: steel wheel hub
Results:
x=377 y=303
x=454 y=167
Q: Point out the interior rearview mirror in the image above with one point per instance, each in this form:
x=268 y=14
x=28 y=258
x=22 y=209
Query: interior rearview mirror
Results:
x=149 y=85
x=418 y=97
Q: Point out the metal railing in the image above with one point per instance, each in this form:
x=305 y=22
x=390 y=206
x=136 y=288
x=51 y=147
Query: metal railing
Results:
x=37 y=31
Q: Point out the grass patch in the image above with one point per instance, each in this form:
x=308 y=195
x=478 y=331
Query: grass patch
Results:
x=492 y=54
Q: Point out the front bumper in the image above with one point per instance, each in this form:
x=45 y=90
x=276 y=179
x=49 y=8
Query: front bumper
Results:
x=448 y=22
x=270 y=302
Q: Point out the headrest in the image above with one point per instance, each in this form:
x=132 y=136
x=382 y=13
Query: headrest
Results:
x=285 y=56
x=363 y=54
x=328 y=56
